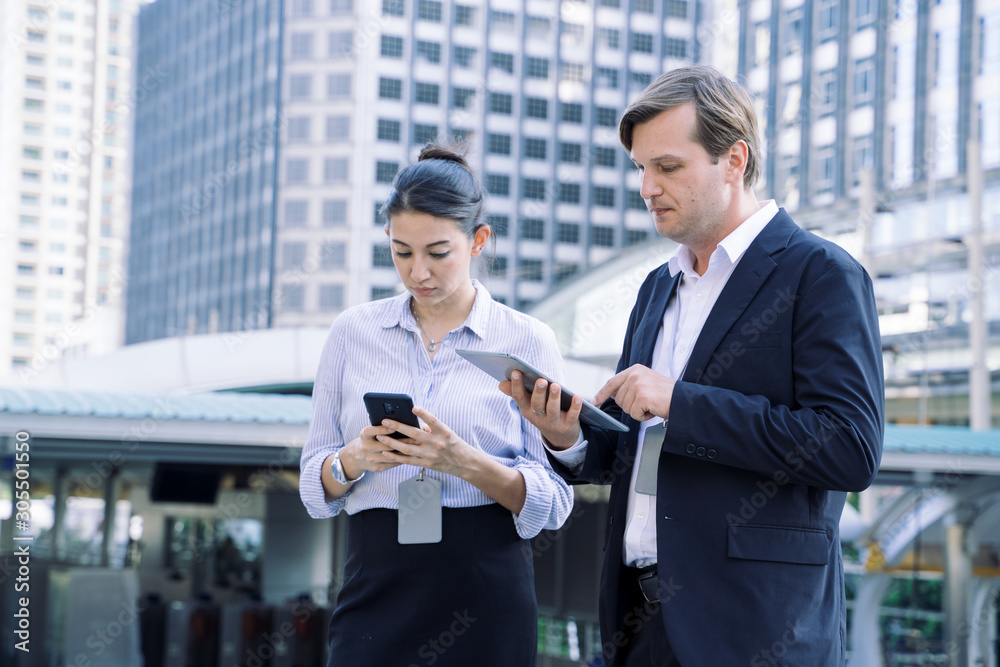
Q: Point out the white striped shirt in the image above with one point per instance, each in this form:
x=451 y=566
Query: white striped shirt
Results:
x=376 y=347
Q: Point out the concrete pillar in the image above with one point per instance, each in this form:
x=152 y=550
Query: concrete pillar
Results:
x=112 y=487
x=957 y=585
x=866 y=638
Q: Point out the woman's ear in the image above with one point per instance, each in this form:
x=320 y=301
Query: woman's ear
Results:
x=480 y=239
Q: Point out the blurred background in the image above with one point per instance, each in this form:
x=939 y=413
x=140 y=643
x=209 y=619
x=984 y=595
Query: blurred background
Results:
x=189 y=195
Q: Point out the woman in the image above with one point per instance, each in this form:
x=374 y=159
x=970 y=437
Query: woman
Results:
x=468 y=599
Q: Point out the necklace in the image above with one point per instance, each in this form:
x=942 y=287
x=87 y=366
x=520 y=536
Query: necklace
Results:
x=432 y=345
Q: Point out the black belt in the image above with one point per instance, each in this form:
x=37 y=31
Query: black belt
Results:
x=648 y=582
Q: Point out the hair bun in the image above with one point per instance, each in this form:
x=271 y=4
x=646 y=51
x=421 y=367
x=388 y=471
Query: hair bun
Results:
x=434 y=151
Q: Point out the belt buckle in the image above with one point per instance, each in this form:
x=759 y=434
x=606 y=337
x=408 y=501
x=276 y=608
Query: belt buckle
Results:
x=649 y=584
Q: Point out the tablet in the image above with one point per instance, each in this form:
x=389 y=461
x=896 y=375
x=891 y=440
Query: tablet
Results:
x=500 y=365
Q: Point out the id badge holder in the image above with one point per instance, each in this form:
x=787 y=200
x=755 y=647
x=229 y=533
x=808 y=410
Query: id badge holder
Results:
x=420 y=510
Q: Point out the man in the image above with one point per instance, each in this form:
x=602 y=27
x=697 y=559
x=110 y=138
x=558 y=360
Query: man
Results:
x=751 y=381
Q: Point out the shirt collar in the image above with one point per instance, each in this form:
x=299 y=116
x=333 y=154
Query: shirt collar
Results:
x=733 y=245
x=398 y=313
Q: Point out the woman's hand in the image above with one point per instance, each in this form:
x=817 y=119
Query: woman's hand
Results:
x=435 y=447
x=368 y=453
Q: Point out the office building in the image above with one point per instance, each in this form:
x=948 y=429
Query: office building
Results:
x=352 y=89
x=69 y=90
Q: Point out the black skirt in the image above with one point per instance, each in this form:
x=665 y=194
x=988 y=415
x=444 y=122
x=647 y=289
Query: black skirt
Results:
x=468 y=601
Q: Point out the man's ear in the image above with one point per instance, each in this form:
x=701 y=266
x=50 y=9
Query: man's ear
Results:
x=739 y=154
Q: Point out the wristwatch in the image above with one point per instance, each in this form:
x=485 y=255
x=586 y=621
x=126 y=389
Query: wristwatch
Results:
x=337 y=468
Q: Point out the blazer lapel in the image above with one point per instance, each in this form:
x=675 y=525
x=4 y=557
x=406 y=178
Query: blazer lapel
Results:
x=744 y=283
x=649 y=325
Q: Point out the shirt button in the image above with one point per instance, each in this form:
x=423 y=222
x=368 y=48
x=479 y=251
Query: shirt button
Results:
x=701 y=451
x=690 y=448
x=642 y=515
x=699 y=297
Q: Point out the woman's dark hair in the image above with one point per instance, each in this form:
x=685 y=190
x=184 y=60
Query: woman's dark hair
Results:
x=439 y=183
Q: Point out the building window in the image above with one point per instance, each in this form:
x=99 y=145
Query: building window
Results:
x=502 y=61
x=340 y=44
x=677 y=9
x=498 y=267
x=338 y=127
x=674 y=47
x=429 y=51
x=393 y=7
x=385 y=171
x=464 y=56
x=609 y=38
x=570 y=153
x=338 y=86
x=564 y=271
x=465 y=15
x=572 y=113
x=864 y=154
x=498 y=184
x=605 y=117
x=331 y=296
x=642 y=43
x=462 y=98
x=429 y=10
x=602 y=236
x=502 y=21
x=864 y=13
x=302 y=45
x=533 y=188
x=498 y=144
x=569 y=193
x=379 y=293
x=536 y=68
x=296 y=213
x=568 y=232
x=388 y=130
x=500 y=225
x=335 y=170
x=572 y=72
x=635 y=201
x=607 y=77
x=635 y=236
x=825 y=169
x=293 y=254
x=25 y=269
x=392 y=47
x=603 y=196
x=298 y=128
x=341 y=7
x=300 y=86
x=826 y=92
x=423 y=134
x=643 y=6
x=533 y=229
x=531 y=270
x=390 y=89
x=605 y=157
x=381 y=257
x=829 y=19
x=334 y=212
x=792 y=33
x=427 y=93
x=333 y=255
x=610 y=3
x=535 y=149
x=501 y=103
x=297 y=171
x=864 y=82
x=536 y=107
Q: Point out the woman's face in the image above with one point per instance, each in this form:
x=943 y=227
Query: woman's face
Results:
x=432 y=255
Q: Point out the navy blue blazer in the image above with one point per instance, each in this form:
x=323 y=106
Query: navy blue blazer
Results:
x=779 y=414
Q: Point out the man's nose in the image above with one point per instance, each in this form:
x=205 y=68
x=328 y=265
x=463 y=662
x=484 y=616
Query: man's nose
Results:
x=648 y=187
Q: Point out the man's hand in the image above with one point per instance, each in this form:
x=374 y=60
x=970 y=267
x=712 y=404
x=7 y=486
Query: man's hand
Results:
x=640 y=392
x=542 y=408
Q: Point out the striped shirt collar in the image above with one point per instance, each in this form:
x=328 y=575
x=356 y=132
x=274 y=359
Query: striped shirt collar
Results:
x=398 y=313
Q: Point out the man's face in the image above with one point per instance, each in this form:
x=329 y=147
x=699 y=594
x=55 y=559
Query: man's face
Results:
x=685 y=192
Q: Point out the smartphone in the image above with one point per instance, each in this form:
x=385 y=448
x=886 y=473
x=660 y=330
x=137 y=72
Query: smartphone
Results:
x=397 y=407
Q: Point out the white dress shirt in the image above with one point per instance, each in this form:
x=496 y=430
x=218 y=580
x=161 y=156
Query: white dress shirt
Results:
x=682 y=323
